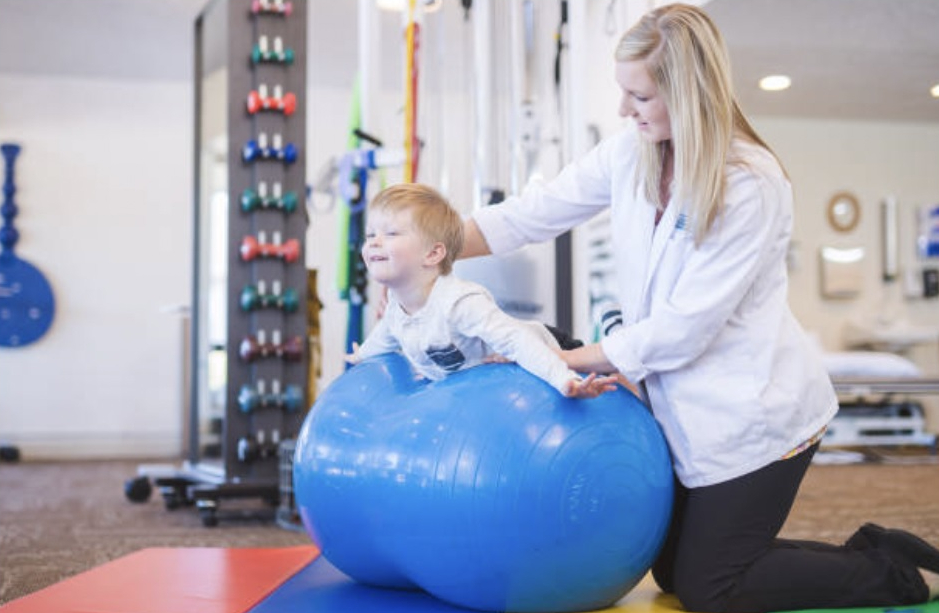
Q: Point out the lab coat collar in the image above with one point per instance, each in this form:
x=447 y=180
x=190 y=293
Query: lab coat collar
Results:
x=660 y=236
x=636 y=225
x=674 y=219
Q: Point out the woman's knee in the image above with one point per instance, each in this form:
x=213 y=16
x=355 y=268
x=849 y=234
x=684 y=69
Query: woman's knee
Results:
x=662 y=574
x=698 y=592
x=701 y=603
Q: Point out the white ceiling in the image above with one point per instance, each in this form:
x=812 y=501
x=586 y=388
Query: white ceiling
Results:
x=114 y=39
x=848 y=59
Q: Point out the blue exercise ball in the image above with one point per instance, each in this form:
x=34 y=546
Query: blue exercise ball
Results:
x=487 y=489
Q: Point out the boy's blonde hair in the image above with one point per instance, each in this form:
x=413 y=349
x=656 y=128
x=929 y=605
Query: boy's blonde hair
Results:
x=432 y=215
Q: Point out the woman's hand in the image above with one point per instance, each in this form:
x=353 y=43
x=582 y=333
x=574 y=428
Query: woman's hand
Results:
x=632 y=387
x=589 y=387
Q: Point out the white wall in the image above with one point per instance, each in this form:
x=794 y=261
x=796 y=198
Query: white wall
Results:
x=104 y=189
x=871 y=160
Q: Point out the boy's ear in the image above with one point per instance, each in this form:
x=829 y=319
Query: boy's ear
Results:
x=435 y=255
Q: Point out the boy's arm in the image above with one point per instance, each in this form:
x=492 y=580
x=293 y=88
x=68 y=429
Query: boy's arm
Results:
x=478 y=315
x=380 y=340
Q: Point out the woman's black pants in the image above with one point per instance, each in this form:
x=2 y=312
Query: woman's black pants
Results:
x=722 y=553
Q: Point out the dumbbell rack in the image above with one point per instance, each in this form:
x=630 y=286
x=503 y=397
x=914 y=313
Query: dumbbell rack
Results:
x=266 y=351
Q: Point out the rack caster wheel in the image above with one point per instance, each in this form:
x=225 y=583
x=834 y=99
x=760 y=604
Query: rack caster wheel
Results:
x=9 y=453
x=209 y=518
x=172 y=500
x=175 y=492
x=138 y=489
x=208 y=511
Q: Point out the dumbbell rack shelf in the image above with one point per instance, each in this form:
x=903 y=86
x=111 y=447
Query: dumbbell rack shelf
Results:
x=249 y=340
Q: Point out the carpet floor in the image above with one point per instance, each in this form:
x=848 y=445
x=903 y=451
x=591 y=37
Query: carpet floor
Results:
x=60 y=519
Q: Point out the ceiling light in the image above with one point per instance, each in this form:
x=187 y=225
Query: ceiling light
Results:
x=934 y=90
x=429 y=6
x=391 y=5
x=775 y=83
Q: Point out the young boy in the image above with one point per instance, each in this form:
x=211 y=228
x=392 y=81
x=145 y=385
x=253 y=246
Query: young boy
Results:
x=441 y=323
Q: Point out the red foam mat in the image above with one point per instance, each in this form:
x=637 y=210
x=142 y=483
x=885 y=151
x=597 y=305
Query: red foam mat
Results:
x=172 y=580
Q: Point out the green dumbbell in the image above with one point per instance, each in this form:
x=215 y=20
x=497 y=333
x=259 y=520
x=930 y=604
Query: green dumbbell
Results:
x=252 y=200
x=262 y=54
x=255 y=297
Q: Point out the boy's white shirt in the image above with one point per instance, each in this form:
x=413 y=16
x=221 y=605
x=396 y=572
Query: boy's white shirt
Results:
x=457 y=328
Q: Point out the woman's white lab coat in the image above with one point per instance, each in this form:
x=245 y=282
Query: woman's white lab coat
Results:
x=728 y=371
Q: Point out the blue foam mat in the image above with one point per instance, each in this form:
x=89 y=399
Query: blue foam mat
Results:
x=321 y=588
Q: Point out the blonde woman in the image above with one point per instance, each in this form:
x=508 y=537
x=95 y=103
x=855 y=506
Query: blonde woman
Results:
x=701 y=218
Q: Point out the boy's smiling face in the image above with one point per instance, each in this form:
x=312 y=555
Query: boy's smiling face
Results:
x=394 y=251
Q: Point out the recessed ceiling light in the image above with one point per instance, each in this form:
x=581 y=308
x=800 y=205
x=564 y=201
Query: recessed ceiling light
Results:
x=775 y=83
x=391 y=5
x=934 y=90
x=429 y=6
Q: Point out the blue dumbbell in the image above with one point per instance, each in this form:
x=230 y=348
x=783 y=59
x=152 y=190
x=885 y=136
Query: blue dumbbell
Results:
x=288 y=154
x=292 y=398
x=254 y=398
x=248 y=398
x=254 y=150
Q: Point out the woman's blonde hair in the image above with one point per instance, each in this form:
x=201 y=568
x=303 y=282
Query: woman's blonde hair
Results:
x=686 y=57
x=432 y=215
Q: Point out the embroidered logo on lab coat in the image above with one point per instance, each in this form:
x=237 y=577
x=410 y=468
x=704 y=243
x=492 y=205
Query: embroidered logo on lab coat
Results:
x=681 y=222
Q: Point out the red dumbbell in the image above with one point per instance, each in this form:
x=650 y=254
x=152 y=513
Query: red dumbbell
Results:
x=256 y=447
x=278 y=7
x=255 y=347
x=251 y=348
x=291 y=350
x=258 y=100
x=287 y=103
x=252 y=248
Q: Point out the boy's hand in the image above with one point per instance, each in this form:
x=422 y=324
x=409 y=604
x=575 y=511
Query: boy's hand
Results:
x=589 y=387
x=353 y=358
